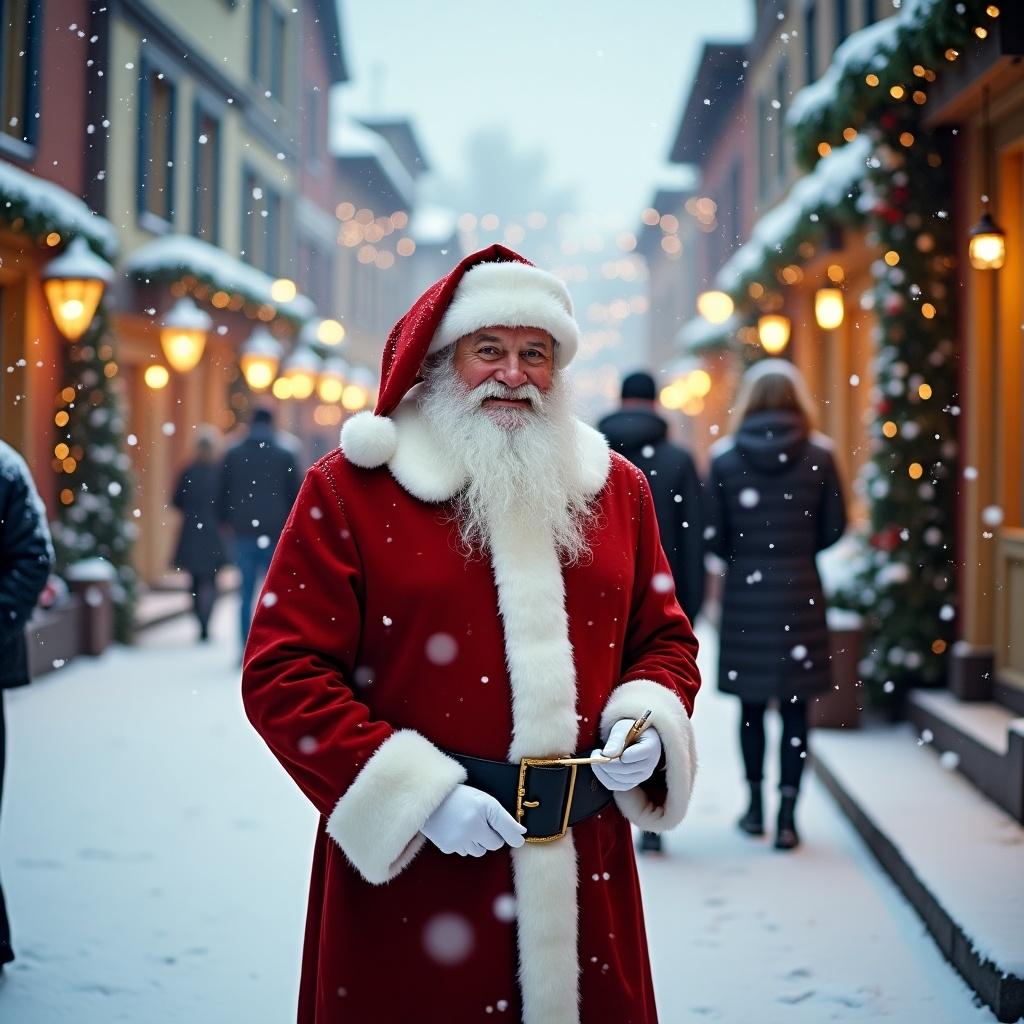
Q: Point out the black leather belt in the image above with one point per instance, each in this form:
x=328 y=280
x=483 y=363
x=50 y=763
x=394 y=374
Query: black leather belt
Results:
x=546 y=797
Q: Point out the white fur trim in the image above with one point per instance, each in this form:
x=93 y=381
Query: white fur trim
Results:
x=425 y=469
x=510 y=295
x=547 y=929
x=368 y=441
x=669 y=717
x=596 y=457
x=377 y=822
x=531 y=600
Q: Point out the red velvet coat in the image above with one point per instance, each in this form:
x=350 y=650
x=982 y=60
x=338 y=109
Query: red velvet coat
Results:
x=376 y=645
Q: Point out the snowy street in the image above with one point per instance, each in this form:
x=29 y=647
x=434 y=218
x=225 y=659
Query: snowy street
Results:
x=155 y=859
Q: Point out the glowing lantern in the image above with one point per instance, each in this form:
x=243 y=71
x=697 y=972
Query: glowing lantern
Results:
x=715 y=307
x=283 y=290
x=330 y=332
x=331 y=385
x=829 y=308
x=773 y=332
x=301 y=370
x=74 y=284
x=259 y=359
x=156 y=377
x=183 y=335
x=988 y=244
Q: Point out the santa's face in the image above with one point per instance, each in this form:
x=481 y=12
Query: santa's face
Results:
x=511 y=357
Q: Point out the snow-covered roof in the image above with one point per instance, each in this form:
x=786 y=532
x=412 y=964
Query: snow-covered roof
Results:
x=831 y=186
x=433 y=225
x=350 y=140
x=700 y=335
x=55 y=208
x=174 y=255
x=868 y=48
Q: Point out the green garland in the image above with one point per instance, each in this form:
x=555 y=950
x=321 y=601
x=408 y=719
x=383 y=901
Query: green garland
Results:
x=907 y=587
x=919 y=40
x=94 y=492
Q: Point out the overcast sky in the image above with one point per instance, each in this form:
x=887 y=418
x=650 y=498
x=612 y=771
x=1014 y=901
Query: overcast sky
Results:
x=598 y=85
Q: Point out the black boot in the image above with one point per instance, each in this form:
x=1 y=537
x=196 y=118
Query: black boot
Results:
x=753 y=821
x=650 y=842
x=786 y=837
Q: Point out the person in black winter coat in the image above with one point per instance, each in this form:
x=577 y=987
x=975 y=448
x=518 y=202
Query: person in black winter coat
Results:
x=637 y=432
x=25 y=560
x=775 y=502
x=641 y=435
x=200 y=550
x=259 y=482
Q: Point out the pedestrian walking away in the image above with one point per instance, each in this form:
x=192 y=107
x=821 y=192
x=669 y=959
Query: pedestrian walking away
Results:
x=259 y=481
x=775 y=502
x=25 y=559
x=200 y=549
x=467 y=592
x=641 y=435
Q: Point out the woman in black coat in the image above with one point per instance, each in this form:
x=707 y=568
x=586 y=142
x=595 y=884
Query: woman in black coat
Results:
x=25 y=559
x=200 y=551
x=776 y=501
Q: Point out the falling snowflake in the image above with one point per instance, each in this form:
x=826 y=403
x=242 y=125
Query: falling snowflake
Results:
x=448 y=938
x=992 y=515
x=269 y=599
x=441 y=649
x=661 y=583
x=749 y=497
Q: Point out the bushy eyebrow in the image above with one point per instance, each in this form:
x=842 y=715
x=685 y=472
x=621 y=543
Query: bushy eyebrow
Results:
x=540 y=341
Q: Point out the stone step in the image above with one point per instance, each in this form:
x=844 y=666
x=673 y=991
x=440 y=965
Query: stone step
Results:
x=985 y=740
x=958 y=858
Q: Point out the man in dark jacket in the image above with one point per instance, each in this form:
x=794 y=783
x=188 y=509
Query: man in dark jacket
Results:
x=25 y=559
x=258 y=485
x=641 y=435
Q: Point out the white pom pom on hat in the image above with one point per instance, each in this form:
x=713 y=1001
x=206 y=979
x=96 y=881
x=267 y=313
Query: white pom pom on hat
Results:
x=509 y=294
x=369 y=441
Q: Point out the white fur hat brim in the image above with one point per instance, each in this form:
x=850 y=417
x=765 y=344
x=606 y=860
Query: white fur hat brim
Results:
x=510 y=295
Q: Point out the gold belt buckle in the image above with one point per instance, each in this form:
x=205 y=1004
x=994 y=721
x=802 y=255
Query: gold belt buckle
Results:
x=522 y=804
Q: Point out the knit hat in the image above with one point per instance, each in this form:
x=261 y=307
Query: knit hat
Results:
x=638 y=385
x=494 y=287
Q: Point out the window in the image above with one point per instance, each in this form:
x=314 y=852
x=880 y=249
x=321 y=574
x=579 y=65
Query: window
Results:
x=781 y=86
x=764 y=135
x=870 y=12
x=315 y=271
x=810 y=38
x=312 y=127
x=20 y=21
x=267 y=48
x=205 y=174
x=156 y=144
x=842 y=20
x=261 y=223
x=735 y=204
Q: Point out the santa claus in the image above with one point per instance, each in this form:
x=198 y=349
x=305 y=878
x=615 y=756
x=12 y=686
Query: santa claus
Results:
x=471 y=584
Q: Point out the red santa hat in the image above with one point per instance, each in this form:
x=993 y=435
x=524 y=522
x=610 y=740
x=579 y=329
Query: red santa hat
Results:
x=494 y=287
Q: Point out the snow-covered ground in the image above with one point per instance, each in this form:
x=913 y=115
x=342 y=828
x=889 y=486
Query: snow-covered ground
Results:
x=155 y=862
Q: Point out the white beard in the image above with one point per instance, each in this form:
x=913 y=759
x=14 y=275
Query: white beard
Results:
x=523 y=464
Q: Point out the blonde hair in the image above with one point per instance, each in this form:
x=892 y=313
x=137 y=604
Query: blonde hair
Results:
x=774 y=384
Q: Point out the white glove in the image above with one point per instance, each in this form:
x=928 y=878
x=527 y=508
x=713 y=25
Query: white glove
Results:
x=470 y=822
x=637 y=763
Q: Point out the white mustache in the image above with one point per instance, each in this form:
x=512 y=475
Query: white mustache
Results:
x=495 y=389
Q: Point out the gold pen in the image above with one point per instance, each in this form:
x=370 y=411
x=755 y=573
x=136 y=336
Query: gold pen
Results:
x=635 y=731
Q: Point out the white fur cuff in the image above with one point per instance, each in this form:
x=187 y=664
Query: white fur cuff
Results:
x=669 y=717
x=377 y=821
